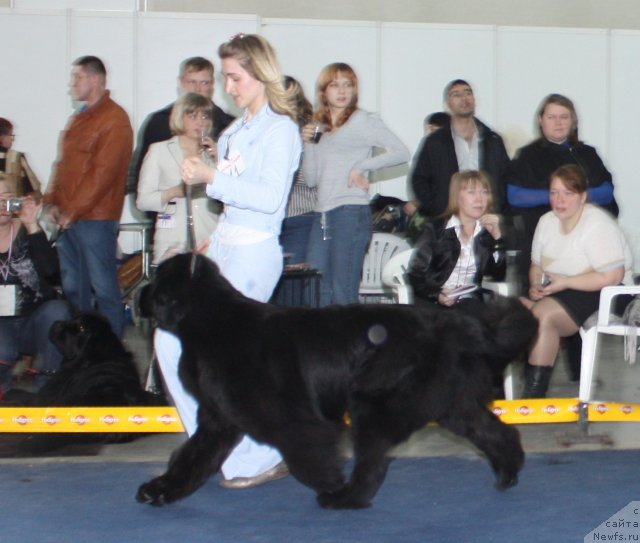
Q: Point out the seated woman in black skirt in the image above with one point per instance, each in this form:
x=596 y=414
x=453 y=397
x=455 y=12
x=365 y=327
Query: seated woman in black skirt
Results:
x=577 y=250
x=456 y=251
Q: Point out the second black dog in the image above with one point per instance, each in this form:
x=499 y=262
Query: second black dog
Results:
x=96 y=371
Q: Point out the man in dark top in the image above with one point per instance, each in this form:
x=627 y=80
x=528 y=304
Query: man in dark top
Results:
x=465 y=144
x=196 y=75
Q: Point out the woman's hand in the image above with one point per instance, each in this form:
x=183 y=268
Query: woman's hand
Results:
x=195 y=171
x=410 y=208
x=177 y=191
x=553 y=283
x=29 y=214
x=209 y=147
x=357 y=179
x=536 y=292
x=491 y=223
x=445 y=299
x=307 y=132
x=203 y=246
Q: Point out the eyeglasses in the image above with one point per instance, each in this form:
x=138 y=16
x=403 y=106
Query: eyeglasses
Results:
x=196 y=116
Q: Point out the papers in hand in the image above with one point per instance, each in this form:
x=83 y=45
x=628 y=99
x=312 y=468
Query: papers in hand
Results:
x=461 y=291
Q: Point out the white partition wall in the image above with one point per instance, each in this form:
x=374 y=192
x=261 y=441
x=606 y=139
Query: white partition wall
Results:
x=402 y=68
x=305 y=47
x=35 y=76
x=163 y=41
x=624 y=140
x=419 y=60
x=534 y=62
x=107 y=35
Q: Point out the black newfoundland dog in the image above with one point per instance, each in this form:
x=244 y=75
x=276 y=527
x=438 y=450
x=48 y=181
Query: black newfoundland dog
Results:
x=286 y=377
x=96 y=371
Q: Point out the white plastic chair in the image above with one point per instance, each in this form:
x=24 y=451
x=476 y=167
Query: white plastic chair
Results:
x=604 y=325
x=394 y=276
x=382 y=248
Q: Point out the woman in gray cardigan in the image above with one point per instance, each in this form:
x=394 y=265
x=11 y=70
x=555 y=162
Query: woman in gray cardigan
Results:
x=338 y=164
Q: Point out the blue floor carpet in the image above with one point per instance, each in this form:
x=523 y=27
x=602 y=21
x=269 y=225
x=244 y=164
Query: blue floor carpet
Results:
x=561 y=498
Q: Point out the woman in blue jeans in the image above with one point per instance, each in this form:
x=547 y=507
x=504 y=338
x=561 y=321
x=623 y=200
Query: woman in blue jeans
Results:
x=338 y=164
x=27 y=304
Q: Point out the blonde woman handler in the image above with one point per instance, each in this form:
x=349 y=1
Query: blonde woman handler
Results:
x=257 y=157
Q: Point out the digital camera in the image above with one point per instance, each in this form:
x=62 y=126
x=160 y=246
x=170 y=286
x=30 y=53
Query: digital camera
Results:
x=12 y=205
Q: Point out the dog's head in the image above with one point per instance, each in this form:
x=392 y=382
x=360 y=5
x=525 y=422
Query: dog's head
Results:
x=181 y=284
x=83 y=336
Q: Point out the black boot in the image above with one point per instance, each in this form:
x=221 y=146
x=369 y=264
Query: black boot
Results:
x=536 y=381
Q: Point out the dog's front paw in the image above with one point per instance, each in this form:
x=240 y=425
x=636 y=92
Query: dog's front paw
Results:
x=506 y=480
x=341 y=500
x=154 y=492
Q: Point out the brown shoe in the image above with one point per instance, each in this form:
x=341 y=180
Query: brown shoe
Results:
x=277 y=472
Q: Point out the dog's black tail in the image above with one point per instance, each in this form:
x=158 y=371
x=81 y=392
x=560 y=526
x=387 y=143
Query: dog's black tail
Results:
x=513 y=328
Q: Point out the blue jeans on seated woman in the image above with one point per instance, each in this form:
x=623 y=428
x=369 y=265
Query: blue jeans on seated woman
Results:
x=30 y=335
x=337 y=244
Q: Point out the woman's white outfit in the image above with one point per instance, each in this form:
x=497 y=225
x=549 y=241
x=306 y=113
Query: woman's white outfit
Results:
x=257 y=160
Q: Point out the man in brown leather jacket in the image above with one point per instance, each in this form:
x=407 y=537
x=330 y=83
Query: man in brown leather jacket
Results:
x=86 y=194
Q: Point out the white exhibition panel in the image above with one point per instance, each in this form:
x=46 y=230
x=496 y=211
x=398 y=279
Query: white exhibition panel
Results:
x=165 y=40
x=417 y=61
x=34 y=82
x=305 y=47
x=402 y=70
x=535 y=62
x=107 y=35
x=624 y=80
x=327 y=42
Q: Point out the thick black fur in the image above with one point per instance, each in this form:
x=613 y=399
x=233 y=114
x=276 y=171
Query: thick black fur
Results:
x=286 y=376
x=96 y=371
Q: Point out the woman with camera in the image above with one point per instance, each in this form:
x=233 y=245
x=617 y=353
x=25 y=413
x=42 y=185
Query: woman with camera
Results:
x=28 y=271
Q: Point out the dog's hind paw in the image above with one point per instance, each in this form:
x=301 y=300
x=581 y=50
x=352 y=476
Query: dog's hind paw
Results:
x=340 y=500
x=152 y=493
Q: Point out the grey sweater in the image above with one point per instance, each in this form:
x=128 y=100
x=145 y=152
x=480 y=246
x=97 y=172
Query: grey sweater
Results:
x=327 y=164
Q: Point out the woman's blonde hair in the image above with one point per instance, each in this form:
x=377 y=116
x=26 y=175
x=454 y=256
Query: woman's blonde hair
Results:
x=258 y=58
x=327 y=75
x=189 y=102
x=462 y=180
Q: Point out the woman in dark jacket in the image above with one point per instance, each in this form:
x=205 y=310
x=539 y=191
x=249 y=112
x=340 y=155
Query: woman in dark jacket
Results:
x=28 y=308
x=528 y=185
x=457 y=251
x=528 y=175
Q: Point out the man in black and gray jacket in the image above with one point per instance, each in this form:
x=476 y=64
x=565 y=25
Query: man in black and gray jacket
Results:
x=196 y=75
x=466 y=144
